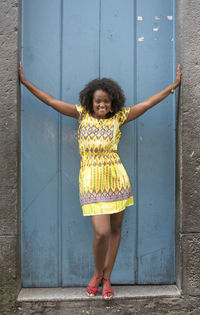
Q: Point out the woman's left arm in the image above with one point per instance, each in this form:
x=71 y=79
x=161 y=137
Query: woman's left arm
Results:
x=140 y=108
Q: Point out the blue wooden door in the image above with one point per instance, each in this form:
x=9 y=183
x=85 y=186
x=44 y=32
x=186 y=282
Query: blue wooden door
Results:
x=65 y=44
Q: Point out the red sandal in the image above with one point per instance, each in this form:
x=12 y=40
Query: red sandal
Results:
x=107 y=290
x=91 y=288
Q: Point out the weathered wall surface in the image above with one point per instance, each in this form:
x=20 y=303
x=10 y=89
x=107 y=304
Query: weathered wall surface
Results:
x=188 y=39
x=188 y=179
x=9 y=263
x=147 y=306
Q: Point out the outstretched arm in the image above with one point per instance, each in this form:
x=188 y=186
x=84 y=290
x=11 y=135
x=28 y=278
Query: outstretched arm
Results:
x=139 y=109
x=60 y=106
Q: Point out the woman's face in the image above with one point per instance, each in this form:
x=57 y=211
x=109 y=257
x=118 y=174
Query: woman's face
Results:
x=101 y=104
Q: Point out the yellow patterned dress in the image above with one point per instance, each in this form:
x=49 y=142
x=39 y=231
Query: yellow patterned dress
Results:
x=104 y=186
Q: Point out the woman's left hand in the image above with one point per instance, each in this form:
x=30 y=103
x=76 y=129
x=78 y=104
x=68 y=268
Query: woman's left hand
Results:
x=178 y=77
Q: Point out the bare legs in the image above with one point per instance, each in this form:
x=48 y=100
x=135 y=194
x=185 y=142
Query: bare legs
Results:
x=101 y=226
x=107 y=235
x=102 y=231
x=114 y=241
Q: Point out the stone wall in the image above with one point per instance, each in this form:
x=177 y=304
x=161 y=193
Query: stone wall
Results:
x=188 y=39
x=142 y=306
x=188 y=178
x=9 y=147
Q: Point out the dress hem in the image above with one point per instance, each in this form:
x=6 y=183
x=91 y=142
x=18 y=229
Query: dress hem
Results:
x=112 y=211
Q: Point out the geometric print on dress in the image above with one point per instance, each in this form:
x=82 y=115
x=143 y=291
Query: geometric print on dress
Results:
x=91 y=131
x=103 y=180
x=105 y=196
x=102 y=177
x=96 y=161
x=99 y=160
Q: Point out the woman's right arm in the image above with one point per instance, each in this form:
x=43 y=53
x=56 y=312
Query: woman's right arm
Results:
x=60 y=106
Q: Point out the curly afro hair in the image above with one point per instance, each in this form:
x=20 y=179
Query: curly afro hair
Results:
x=107 y=85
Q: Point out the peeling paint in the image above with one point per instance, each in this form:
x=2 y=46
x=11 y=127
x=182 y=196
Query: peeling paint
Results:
x=172 y=39
x=157 y=18
x=141 y=39
x=170 y=17
x=156 y=29
x=140 y=138
x=140 y=18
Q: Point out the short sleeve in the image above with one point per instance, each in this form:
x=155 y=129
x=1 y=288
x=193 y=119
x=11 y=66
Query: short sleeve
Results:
x=122 y=115
x=81 y=111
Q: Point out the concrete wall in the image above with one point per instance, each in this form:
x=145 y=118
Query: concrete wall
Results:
x=9 y=147
x=188 y=44
x=188 y=178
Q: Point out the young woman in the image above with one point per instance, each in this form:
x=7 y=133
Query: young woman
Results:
x=104 y=185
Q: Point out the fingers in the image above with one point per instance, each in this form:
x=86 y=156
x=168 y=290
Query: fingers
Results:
x=179 y=71
x=21 y=76
x=178 y=74
x=177 y=82
x=20 y=66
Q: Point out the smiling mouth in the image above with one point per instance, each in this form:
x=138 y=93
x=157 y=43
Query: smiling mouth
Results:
x=102 y=109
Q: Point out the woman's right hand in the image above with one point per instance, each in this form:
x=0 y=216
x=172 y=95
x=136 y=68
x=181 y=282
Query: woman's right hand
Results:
x=21 y=76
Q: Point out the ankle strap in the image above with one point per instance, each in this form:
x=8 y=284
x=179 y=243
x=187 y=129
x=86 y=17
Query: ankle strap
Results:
x=98 y=277
x=106 y=278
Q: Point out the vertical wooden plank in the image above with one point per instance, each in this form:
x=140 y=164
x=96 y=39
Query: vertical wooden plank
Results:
x=41 y=42
x=117 y=55
x=156 y=152
x=80 y=65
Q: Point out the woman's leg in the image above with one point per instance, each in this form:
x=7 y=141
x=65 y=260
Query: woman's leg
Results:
x=114 y=241
x=102 y=229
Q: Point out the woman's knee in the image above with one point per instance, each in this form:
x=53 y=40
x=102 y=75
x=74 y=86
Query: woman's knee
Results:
x=116 y=223
x=116 y=228
x=102 y=235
